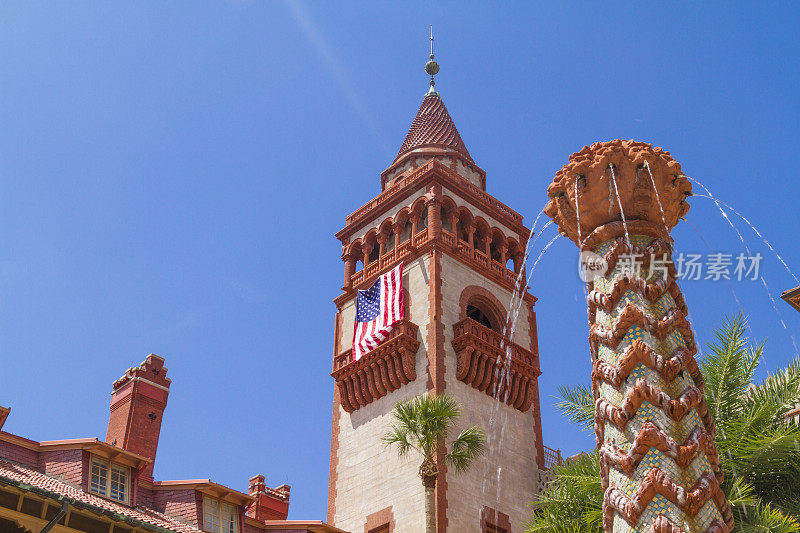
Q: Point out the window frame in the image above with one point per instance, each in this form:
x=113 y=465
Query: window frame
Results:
x=219 y=526
x=105 y=485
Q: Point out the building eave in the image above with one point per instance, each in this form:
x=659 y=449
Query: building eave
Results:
x=206 y=486
x=792 y=297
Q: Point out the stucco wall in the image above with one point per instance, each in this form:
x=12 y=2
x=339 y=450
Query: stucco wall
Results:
x=516 y=452
x=371 y=477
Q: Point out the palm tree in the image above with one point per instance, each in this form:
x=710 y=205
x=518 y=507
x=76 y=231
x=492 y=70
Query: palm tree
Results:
x=421 y=424
x=760 y=447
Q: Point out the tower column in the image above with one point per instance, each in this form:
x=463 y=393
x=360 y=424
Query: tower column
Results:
x=470 y=229
x=397 y=237
x=658 y=461
x=382 y=244
x=434 y=206
x=349 y=269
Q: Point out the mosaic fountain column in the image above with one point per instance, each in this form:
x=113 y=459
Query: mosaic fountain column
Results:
x=655 y=437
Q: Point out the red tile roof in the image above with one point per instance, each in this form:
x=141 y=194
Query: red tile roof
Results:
x=14 y=474
x=433 y=127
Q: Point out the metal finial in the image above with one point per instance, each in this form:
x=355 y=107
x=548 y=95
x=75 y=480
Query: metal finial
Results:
x=432 y=67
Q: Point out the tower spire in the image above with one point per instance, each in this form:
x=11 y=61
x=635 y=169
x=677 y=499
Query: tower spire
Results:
x=432 y=67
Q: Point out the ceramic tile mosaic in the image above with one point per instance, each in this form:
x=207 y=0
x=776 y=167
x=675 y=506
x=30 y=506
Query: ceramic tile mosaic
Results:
x=647 y=411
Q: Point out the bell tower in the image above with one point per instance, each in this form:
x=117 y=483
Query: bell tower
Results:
x=462 y=251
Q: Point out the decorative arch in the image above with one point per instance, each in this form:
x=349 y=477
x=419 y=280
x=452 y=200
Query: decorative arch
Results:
x=497 y=241
x=369 y=246
x=419 y=214
x=488 y=303
x=448 y=215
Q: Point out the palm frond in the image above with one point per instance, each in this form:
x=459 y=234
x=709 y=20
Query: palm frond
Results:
x=728 y=369
x=421 y=423
x=578 y=404
x=398 y=436
x=572 y=501
x=762 y=517
x=466 y=448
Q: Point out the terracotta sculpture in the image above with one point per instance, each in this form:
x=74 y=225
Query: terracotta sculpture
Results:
x=659 y=464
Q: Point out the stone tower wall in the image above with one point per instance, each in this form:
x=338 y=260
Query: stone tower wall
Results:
x=468 y=493
x=369 y=476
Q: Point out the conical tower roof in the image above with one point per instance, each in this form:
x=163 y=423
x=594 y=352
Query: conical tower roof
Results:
x=433 y=127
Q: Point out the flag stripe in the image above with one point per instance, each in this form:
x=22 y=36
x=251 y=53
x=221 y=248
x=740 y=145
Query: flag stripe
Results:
x=377 y=310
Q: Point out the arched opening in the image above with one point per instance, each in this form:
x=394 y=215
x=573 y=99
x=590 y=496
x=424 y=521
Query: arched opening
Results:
x=494 y=252
x=445 y=218
x=390 y=238
x=461 y=232
x=374 y=253
x=405 y=233
x=480 y=239
x=476 y=313
x=423 y=219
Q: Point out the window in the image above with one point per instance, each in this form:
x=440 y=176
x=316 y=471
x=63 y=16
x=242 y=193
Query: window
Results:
x=478 y=316
x=220 y=517
x=109 y=479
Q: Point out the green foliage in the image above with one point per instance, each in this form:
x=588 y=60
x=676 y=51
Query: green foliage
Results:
x=758 y=446
x=422 y=422
x=577 y=404
x=573 y=501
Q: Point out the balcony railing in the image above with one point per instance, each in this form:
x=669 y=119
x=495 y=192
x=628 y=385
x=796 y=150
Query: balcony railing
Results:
x=492 y=364
x=552 y=458
x=383 y=370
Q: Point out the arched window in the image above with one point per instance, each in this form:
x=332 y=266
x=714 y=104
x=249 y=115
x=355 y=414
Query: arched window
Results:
x=423 y=219
x=477 y=314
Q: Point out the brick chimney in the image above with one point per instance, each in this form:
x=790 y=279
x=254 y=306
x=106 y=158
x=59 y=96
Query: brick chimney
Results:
x=137 y=405
x=270 y=504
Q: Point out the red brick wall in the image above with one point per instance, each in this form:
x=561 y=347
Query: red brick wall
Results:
x=19 y=454
x=144 y=497
x=182 y=504
x=65 y=464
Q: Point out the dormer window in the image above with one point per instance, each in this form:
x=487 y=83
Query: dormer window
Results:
x=219 y=517
x=110 y=480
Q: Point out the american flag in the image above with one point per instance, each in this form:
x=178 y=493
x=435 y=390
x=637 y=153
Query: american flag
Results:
x=377 y=310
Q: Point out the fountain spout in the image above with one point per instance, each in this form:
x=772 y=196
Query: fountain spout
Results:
x=658 y=460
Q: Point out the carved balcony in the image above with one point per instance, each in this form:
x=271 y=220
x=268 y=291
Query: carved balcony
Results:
x=483 y=362
x=383 y=370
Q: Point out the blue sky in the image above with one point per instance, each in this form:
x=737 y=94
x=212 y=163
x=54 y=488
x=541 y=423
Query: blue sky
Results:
x=172 y=175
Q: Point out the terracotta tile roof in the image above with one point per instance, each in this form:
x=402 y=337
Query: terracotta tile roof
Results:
x=433 y=127
x=55 y=488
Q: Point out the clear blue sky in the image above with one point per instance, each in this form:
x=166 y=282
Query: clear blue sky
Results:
x=171 y=176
